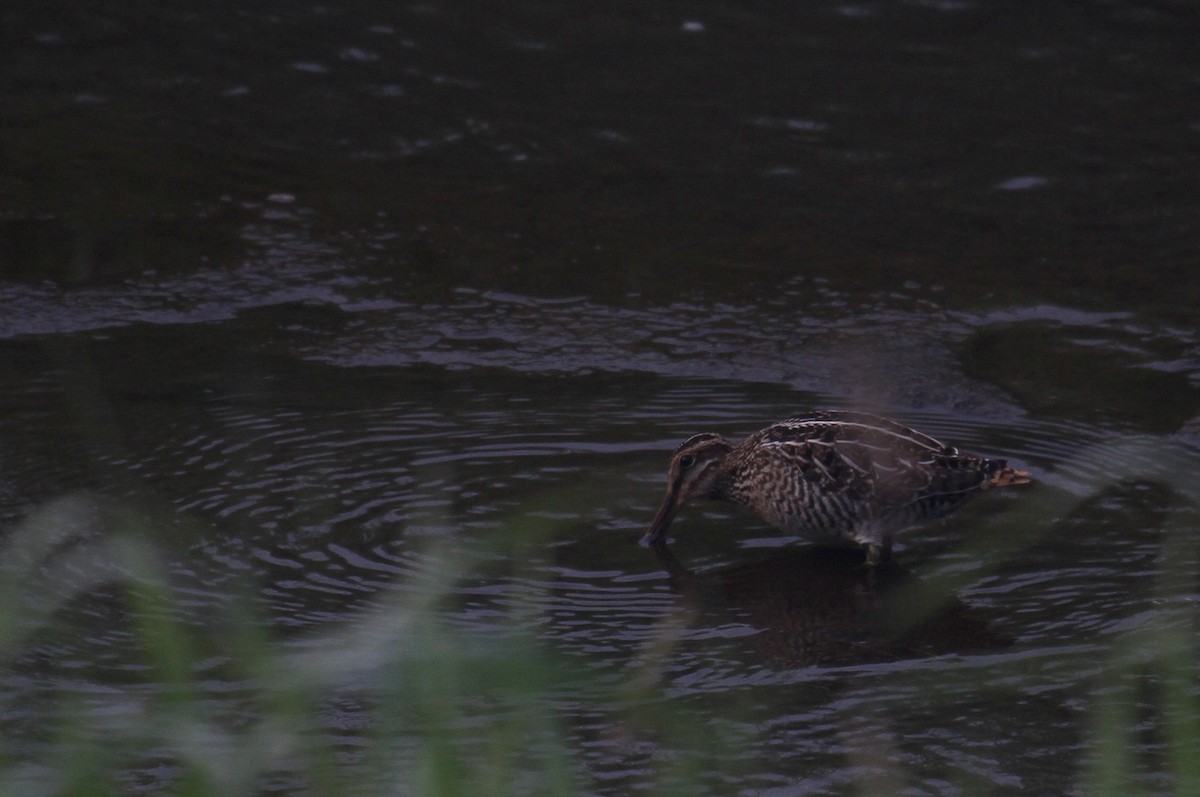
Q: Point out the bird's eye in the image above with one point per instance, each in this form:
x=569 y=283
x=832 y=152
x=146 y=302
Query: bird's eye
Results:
x=687 y=461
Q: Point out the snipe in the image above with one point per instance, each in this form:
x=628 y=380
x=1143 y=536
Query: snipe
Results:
x=841 y=476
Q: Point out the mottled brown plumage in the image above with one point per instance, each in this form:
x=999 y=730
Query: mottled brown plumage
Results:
x=845 y=476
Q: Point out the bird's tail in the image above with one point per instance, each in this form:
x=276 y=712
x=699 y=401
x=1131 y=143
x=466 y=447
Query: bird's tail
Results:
x=1004 y=476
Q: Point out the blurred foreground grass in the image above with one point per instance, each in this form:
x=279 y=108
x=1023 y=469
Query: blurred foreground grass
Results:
x=222 y=706
x=404 y=700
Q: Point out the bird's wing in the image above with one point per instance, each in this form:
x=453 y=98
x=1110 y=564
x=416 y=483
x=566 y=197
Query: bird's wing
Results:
x=858 y=453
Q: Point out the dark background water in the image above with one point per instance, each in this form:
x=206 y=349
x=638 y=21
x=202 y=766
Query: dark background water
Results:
x=315 y=287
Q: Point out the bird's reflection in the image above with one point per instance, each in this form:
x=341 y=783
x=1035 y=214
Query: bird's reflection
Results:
x=822 y=606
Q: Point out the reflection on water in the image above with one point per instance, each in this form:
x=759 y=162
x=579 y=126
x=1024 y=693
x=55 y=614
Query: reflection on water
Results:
x=820 y=606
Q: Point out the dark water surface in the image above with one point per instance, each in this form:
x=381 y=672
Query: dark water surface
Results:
x=325 y=294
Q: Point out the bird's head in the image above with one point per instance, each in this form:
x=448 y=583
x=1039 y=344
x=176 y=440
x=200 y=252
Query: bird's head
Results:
x=694 y=473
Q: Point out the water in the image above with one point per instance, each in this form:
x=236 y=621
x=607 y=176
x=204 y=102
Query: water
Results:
x=318 y=295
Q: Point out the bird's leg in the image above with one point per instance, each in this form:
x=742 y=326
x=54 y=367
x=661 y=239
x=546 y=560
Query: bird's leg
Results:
x=879 y=552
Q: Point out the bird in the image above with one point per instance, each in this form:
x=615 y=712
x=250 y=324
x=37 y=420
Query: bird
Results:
x=833 y=476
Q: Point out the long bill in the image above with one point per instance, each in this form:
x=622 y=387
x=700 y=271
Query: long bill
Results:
x=658 y=526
